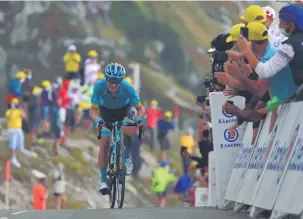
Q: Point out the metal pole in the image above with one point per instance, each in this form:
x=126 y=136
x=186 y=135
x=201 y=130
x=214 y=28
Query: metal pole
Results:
x=136 y=76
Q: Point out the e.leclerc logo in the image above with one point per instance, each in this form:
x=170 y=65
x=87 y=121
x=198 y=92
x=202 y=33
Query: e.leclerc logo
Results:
x=231 y=135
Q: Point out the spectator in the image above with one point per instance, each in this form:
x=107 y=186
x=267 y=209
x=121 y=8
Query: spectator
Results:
x=75 y=98
x=72 y=62
x=187 y=143
x=275 y=36
x=63 y=102
x=164 y=126
x=90 y=68
x=153 y=113
x=34 y=113
x=291 y=25
x=45 y=104
x=27 y=88
x=253 y=13
x=40 y=195
x=160 y=181
x=56 y=124
x=58 y=177
x=182 y=188
x=86 y=92
x=205 y=146
x=176 y=113
x=14 y=88
x=14 y=117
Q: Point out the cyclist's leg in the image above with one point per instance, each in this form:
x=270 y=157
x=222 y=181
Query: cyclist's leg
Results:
x=104 y=145
x=128 y=133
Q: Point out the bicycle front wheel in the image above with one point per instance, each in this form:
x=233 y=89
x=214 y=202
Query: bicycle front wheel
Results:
x=120 y=179
x=111 y=179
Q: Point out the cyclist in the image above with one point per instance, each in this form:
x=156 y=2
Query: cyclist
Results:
x=111 y=101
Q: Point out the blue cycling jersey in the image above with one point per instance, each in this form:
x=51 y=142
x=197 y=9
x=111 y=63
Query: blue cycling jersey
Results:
x=125 y=95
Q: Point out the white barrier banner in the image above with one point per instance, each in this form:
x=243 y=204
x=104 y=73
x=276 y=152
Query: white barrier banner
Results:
x=289 y=199
x=212 y=191
x=282 y=148
x=227 y=142
x=242 y=160
x=253 y=171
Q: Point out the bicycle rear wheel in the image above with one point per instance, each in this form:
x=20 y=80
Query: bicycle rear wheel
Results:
x=120 y=179
x=112 y=180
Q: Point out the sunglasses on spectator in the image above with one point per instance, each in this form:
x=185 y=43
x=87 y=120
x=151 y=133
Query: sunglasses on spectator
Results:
x=116 y=81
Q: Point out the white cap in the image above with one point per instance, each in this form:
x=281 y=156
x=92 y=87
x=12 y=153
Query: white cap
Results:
x=72 y=48
x=269 y=11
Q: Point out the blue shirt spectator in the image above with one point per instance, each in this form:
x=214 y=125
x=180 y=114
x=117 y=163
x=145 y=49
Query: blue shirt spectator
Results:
x=165 y=125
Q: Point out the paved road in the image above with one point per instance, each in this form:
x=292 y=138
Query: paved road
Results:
x=127 y=213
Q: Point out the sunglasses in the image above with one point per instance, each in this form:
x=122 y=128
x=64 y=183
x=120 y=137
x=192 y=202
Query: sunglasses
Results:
x=116 y=81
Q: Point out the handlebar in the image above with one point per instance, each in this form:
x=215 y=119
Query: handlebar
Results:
x=120 y=124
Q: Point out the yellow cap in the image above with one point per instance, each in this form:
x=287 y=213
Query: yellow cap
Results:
x=129 y=80
x=257 y=31
x=168 y=114
x=153 y=102
x=15 y=100
x=46 y=84
x=100 y=75
x=234 y=33
x=92 y=53
x=254 y=13
x=37 y=90
x=20 y=75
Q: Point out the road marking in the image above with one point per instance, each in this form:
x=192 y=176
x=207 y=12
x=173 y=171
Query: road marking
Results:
x=18 y=212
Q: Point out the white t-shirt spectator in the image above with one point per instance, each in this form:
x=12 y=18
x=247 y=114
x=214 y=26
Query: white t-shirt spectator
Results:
x=275 y=36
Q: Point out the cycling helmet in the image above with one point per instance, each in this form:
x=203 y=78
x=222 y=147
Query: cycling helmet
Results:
x=115 y=70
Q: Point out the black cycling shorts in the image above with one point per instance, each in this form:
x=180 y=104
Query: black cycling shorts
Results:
x=115 y=115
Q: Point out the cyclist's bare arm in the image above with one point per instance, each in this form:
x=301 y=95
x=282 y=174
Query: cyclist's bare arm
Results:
x=94 y=112
x=140 y=110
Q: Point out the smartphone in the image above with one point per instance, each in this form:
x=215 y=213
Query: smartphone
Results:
x=207 y=101
x=230 y=102
x=244 y=32
x=200 y=99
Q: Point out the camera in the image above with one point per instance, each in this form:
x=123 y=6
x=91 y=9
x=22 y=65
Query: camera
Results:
x=219 y=55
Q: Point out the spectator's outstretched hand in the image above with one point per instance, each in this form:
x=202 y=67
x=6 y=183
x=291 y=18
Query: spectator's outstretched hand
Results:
x=243 y=44
x=232 y=69
x=230 y=92
x=231 y=109
x=222 y=77
x=246 y=69
x=234 y=56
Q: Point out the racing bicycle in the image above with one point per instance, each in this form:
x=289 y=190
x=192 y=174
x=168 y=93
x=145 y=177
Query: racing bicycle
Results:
x=116 y=162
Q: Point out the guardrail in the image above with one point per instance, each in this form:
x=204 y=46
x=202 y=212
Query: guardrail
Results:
x=266 y=175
